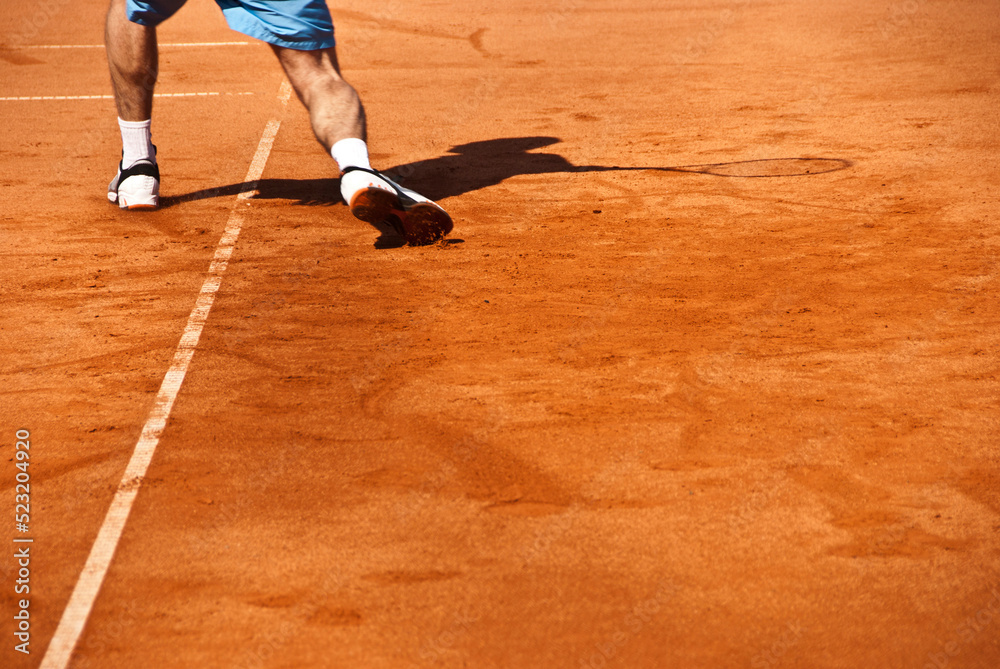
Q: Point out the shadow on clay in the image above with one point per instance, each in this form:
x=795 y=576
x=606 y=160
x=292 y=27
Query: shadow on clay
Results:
x=477 y=165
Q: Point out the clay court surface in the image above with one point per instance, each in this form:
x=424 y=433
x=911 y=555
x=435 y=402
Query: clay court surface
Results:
x=738 y=411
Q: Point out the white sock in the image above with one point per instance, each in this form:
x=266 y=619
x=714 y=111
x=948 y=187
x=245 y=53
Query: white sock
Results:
x=137 y=142
x=351 y=152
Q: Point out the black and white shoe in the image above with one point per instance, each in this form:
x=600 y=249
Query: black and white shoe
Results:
x=136 y=187
x=375 y=198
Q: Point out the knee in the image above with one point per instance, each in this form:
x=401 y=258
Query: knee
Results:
x=149 y=12
x=310 y=70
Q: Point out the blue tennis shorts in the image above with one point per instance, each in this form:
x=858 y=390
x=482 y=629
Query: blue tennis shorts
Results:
x=297 y=24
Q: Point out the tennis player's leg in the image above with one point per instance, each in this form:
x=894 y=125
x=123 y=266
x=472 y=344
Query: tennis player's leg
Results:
x=301 y=34
x=130 y=41
x=133 y=61
x=338 y=121
x=335 y=110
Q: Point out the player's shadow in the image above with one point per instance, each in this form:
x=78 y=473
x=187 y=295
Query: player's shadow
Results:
x=470 y=167
x=465 y=168
x=476 y=165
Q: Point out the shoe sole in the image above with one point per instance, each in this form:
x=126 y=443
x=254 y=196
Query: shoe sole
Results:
x=422 y=223
x=374 y=205
x=425 y=223
x=138 y=207
x=150 y=203
x=134 y=197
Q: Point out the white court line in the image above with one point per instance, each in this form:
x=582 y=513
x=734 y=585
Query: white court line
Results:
x=101 y=46
x=111 y=97
x=74 y=617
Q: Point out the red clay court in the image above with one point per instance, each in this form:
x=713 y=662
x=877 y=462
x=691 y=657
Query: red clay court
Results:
x=738 y=409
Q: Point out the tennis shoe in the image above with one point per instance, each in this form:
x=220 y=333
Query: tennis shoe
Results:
x=137 y=186
x=375 y=198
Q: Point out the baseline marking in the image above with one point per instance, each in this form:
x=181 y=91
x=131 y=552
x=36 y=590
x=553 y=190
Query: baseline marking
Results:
x=101 y=46
x=77 y=610
x=111 y=97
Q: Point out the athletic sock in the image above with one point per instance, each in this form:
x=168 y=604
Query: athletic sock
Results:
x=137 y=143
x=351 y=152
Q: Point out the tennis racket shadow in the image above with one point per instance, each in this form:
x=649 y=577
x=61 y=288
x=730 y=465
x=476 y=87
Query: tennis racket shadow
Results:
x=477 y=165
